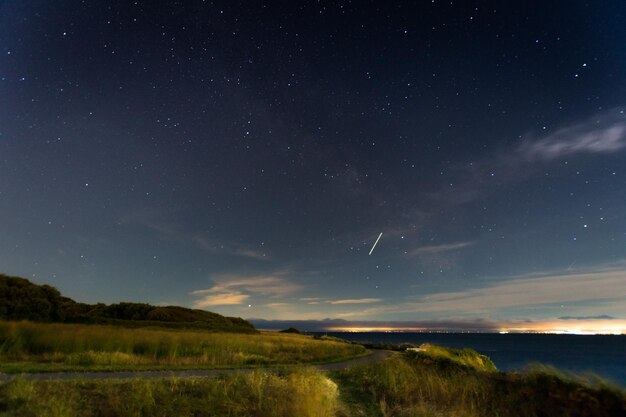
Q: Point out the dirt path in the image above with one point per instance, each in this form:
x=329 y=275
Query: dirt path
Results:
x=376 y=355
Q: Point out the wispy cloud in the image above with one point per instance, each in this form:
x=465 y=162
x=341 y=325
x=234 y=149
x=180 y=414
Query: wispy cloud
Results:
x=356 y=301
x=237 y=289
x=251 y=253
x=312 y=300
x=230 y=298
x=604 y=133
x=278 y=305
x=551 y=289
x=216 y=247
x=439 y=256
x=596 y=293
x=153 y=220
x=439 y=249
x=599 y=317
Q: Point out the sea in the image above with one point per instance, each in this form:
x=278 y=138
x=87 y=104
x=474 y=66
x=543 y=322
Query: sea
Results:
x=603 y=355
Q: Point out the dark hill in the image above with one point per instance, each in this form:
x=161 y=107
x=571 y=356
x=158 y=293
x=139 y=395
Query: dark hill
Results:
x=291 y=330
x=20 y=299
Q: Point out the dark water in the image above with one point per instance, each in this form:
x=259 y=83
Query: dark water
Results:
x=603 y=355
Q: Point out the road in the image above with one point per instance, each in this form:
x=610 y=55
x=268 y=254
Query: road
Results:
x=376 y=355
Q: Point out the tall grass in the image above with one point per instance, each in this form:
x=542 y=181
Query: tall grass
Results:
x=464 y=357
x=416 y=384
x=435 y=382
x=72 y=346
x=302 y=393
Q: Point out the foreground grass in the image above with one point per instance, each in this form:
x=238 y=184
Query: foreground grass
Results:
x=467 y=358
x=404 y=385
x=302 y=393
x=35 y=347
x=431 y=382
x=448 y=382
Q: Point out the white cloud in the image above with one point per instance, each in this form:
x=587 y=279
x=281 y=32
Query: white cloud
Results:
x=604 y=133
x=357 y=301
x=525 y=291
x=370 y=312
x=438 y=249
x=601 y=134
x=237 y=289
x=601 y=291
x=439 y=256
x=233 y=298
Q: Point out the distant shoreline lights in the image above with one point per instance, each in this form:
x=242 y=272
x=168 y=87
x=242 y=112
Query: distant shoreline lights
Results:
x=587 y=327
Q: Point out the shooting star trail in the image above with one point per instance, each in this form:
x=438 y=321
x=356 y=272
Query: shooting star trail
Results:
x=372 y=250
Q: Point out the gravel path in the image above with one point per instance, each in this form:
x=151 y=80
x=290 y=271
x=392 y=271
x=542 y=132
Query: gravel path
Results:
x=376 y=355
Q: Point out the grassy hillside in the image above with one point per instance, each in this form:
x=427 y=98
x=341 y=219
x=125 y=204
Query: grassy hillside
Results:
x=435 y=382
x=449 y=382
x=27 y=346
x=20 y=299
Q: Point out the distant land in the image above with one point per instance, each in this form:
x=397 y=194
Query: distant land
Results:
x=588 y=325
x=21 y=299
x=341 y=325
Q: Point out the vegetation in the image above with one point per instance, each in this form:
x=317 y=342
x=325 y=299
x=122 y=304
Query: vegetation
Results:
x=54 y=346
x=302 y=393
x=20 y=299
x=432 y=382
x=291 y=330
x=449 y=357
x=449 y=382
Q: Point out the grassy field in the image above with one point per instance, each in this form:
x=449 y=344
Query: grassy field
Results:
x=297 y=393
x=446 y=383
x=32 y=347
x=431 y=382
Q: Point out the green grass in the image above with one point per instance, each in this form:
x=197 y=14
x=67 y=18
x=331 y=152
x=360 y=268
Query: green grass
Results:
x=435 y=382
x=33 y=347
x=301 y=393
x=455 y=357
x=448 y=382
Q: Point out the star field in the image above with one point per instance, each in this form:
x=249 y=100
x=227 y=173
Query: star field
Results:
x=243 y=157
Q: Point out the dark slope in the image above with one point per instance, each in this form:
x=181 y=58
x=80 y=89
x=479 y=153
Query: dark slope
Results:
x=20 y=299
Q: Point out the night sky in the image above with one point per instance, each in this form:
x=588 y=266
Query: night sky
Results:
x=242 y=157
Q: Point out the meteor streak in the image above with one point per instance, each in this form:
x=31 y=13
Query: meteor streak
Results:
x=372 y=250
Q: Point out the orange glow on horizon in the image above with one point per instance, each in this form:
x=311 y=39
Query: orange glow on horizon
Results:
x=582 y=327
x=616 y=327
x=376 y=329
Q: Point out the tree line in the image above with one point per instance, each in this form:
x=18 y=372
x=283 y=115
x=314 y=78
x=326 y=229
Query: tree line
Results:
x=21 y=299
